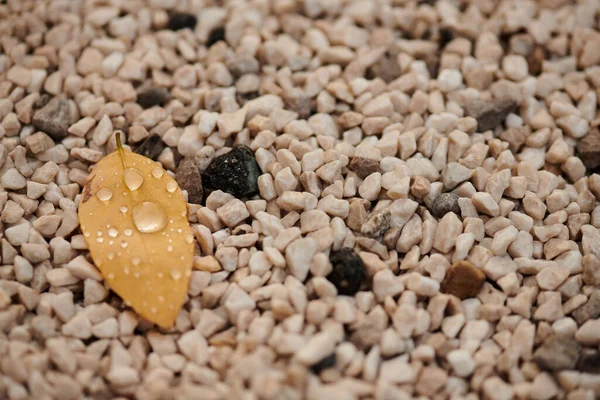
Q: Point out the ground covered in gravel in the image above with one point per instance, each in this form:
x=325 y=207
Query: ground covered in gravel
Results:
x=391 y=199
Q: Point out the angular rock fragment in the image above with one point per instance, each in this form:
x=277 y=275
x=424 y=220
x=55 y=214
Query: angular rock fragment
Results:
x=445 y=203
x=376 y=223
x=179 y=20
x=216 y=35
x=348 y=271
x=489 y=114
x=463 y=280
x=54 y=118
x=558 y=353
x=363 y=166
x=590 y=310
x=235 y=172
x=189 y=178
x=152 y=97
x=589 y=362
x=588 y=149
x=151 y=147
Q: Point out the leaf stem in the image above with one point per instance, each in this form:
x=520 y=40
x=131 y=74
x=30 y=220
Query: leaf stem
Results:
x=120 y=147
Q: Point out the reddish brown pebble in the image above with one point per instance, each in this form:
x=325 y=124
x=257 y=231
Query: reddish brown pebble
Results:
x=363 y=167
x=489 y=114
x=589 y=149
x=463 y=280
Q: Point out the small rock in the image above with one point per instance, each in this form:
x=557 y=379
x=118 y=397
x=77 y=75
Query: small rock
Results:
x=386 y=68
x=463 y=280
x=327 y=362
x=589 y=362
x=590 y=310
x=376 y=223
x=188 y=177
x=216 y=35
x=298 y=101
x=363 y=166
x=558 y=353
x=152 y=97
x=151 y=147
x=348 y=271
x=489 y=114
x=445 y=203
x=235 y=172
x=54 y=118
x=179 y=20
x=589 y=149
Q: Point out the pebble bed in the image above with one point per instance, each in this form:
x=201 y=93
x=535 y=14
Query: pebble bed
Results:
x=391 y=199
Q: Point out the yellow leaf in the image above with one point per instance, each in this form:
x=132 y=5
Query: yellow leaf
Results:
x=134 y=219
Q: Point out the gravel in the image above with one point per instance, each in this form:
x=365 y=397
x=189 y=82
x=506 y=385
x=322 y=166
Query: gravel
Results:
x=391 y=200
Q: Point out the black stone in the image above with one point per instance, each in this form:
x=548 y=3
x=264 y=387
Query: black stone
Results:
x=179 y=20
x=348 y=271
x=152 y=97
x=151 y=147
x=235 y=172
x=445 y=203
x=54 y=118
x=327 y=362
x=188 y=177
x=216 y=35
x=589 y=362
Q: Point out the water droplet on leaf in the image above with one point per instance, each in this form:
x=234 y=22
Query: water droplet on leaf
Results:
x=104 y=194
x=171 y=186
x=176 y=274
x=157 y=172
x=133 y=178
x=149 y=217
x=112 y=232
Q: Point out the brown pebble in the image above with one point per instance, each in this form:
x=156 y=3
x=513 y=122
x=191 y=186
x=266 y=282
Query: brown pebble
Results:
x=376 y=223
x=386 y=68
x=590 y=310
x=445 y=203
x=489 y=114
x=589 y=149
x=54 y=118
x=558 y=353
x=363 y=167
x=535 y=60
x=463 y=280
x=589 y=362
x=188 y=177
x=298 y=101
x=151 y=147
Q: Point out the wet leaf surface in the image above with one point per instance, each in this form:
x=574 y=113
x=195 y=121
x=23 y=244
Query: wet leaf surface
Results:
x=134 y=219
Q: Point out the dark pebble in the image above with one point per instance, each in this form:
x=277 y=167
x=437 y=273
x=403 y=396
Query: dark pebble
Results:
x=589 y=362
x=235 y=172
x=558 y=353
x=363 y=166
x=463 y=280
x=348 y=271
x=386 y=68
x=327 y=362
x=588 y=149
x=445 y=203
x=54 y=118
x=216 y=35
x=298 y=101
x=535 y=60
x=179 y=20
x=188 y=177
x=590 y=310
x=152 y=97
x=151 y=147
x=489 y=114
